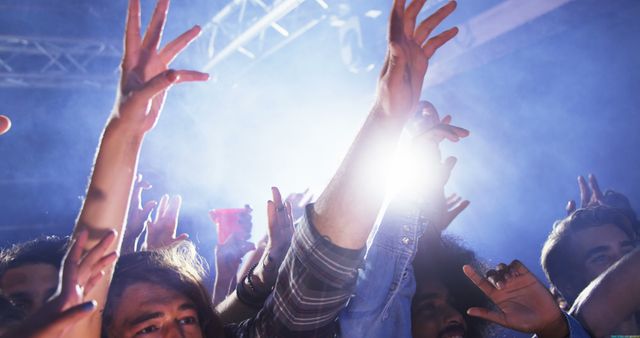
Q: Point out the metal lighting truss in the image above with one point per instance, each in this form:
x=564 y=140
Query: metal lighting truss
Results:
x=245 y=32
x=41 y=62
x=255 y=29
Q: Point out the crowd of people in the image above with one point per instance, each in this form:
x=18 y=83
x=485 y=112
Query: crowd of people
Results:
x=326 y=268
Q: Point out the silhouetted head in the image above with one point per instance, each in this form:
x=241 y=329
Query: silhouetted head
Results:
x=29 y=271
x=582 y=246
x=444 y=293
x=160 y=294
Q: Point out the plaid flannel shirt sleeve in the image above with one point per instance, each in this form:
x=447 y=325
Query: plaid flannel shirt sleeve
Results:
x=315 y=282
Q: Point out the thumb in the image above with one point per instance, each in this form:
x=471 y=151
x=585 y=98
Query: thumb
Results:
x=486 y=314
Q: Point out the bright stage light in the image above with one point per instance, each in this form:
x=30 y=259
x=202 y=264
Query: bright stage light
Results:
x=414 y=169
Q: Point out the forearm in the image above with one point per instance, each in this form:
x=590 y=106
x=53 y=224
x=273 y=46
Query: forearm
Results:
x=315 y=281
x=356 y=192
x=107 y=200
x=224 y=282
x=610 y=299
x=252 y=259
x=263 y=273
x=105 y=207
x=232 y=310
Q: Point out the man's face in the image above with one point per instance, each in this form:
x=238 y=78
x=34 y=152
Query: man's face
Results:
x=433 y=315
x=30 y=286
x=599 y=247
x=149 y=311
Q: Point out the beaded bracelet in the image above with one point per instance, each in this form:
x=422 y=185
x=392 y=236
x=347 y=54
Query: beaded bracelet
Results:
x=253 y=298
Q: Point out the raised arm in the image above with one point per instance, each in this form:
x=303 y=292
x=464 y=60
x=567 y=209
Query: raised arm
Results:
x=610 y=299
x=256 y=285
x=354 y=195
x=145 y=78
x=319 y=272
x=522 y=303
x=381 y=306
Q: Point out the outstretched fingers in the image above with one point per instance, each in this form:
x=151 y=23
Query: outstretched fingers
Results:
x=585 y=194
x=482 y=283
x=396 y=24
x=429 y=24
x=596 y=196
x=96 y=260
x=153 y=34
x=271 y=215
x=457 y=210
x=438 y=41
x=132 y=35
x=175 y=47
x=410 y=16
x=173 y=213
x=571 y=207
x=74 y=255
x=166 y=79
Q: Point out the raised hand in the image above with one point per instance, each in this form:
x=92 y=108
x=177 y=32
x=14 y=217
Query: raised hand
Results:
x=408 y=55
x=455 y=205
x=145 y=72
x=280 y=230
x=590 y=195
x=229 y=254
x=522 y=302
x=161 y=232
x=80 y=273
x=429 y=131
x=138 y=216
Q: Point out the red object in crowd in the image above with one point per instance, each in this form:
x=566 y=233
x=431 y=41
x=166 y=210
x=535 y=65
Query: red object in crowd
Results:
x=5 y=124
x=230 y=221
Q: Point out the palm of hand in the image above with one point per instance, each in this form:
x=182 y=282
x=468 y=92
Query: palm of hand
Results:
x=145 y=74
x=161 y=232
x=149 y=65
x=403 y=73
x=410 y=49
x=525 y=304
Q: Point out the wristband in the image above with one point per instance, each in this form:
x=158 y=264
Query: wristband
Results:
x=252 y=298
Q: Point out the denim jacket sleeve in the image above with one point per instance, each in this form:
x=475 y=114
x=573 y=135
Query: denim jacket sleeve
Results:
x=381 y=305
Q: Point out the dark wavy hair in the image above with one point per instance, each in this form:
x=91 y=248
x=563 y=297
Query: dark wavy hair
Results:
x=10 y=315
x=443 y=258
x=557 y=259
x=177 y=268
x=619 y=201
x=43 y=250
